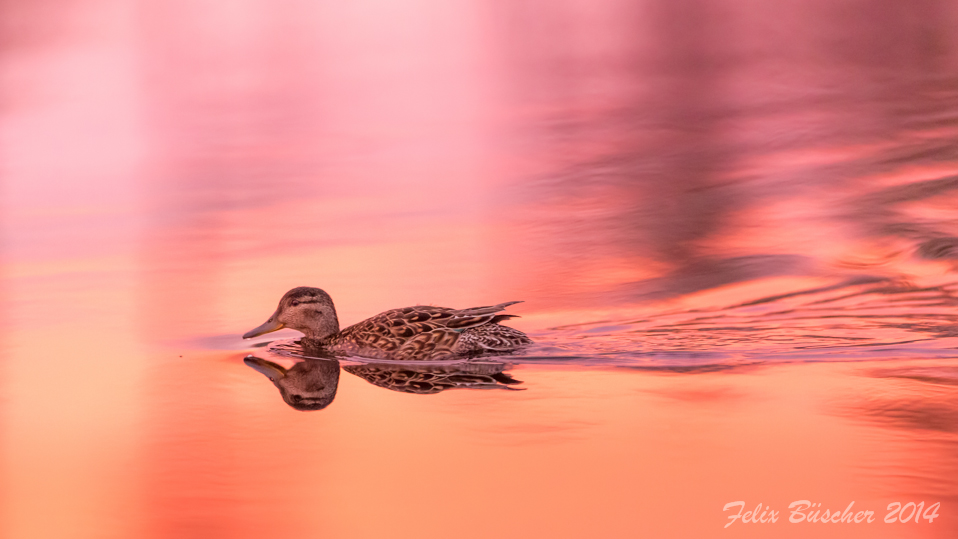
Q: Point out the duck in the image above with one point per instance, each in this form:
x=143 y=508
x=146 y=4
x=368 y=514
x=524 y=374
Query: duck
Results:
x=419 y=333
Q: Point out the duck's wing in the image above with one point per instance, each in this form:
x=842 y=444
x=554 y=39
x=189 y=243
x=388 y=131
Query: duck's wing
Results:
x=478 y=316
x=491 y=338
x=416 y=333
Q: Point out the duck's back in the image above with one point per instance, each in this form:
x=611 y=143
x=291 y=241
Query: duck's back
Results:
x=425 y=332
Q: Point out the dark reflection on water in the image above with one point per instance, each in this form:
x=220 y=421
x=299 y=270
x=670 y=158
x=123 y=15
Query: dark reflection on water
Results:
x=307 y=385
x=311 y=384
x=916 y=408
x=927 y=402
x=429 y=379
x=918 y=414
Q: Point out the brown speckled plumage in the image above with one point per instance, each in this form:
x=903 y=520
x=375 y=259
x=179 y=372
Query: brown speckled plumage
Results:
x=410 y=334
x=428 y=379
x=307 y=385
x=311 y=384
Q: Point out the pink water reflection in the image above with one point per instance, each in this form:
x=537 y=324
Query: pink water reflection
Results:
x=690 y=188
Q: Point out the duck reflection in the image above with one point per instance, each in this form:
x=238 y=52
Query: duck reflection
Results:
x=308 y=385
x=428 y=379
x=311 y=384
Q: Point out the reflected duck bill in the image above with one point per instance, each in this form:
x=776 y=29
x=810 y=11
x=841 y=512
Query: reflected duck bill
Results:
x=268 y=368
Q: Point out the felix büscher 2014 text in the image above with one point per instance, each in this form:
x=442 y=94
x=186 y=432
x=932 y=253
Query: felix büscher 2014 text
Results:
x=805 y=511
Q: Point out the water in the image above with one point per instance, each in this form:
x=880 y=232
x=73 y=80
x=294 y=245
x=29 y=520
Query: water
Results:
x=734 y=227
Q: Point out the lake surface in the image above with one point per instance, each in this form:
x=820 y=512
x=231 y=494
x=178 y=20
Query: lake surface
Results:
x=734 y=227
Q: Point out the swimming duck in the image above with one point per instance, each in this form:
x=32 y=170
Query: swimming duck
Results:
x=414 y=333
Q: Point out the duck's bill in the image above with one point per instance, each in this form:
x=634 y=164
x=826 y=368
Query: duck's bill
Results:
x=271 y=370
x=270 y=325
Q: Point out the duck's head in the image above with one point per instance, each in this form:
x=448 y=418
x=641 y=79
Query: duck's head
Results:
x=305 y=309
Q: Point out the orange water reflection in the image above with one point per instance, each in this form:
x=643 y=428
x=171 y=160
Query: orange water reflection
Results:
x=580 y=452
x=703 y=204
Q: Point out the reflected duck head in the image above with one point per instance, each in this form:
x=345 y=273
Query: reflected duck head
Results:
x=306 y=309
x=307 y=385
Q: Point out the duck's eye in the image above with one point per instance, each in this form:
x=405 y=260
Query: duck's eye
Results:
x=295 y=303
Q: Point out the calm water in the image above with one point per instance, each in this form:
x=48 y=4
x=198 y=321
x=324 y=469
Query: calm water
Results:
x=734 y=226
